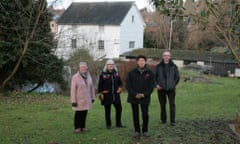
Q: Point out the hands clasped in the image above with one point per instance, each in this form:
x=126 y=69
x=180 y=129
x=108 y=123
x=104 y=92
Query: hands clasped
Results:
x=139 y=96
x=158 y=87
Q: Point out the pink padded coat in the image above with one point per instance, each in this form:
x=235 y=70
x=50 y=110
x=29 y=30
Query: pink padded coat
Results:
x=81 y=93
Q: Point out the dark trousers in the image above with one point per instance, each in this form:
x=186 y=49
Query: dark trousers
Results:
x=80 y=119
x=162 y=96
x=145 y=117
x=118 y=108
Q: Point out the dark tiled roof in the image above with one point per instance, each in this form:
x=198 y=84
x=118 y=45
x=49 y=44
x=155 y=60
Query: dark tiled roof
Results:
x=100 y=13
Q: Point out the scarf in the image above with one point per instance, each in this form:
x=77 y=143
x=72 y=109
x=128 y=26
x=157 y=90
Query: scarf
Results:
x=84 y=76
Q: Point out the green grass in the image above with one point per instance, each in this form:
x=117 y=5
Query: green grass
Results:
x=48 y=119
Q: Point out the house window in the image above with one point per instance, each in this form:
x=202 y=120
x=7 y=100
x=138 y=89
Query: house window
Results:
x=74 y=43
x=101 y=44
x=131 y=44
x=133 y=19
x=101 y=28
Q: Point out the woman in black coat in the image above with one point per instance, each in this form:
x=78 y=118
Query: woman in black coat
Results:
x=110 y=86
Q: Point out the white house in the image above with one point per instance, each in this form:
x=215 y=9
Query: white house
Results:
x=106 y=29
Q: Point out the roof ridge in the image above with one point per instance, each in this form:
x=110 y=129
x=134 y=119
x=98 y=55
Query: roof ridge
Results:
x=96 y=13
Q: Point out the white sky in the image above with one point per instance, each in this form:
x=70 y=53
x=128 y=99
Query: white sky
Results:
x=65 y=3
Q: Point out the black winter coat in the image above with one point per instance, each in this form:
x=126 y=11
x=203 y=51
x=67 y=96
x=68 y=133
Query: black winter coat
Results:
x=140 y=83
x=110 y=81
x=167 y=76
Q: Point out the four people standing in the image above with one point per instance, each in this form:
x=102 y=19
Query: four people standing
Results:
x=140 y=84
x=82 y=96
x=110 y=86
x=167 y=77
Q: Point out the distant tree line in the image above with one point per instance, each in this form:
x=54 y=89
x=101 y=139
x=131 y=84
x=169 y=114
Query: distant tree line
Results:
x=199 y=25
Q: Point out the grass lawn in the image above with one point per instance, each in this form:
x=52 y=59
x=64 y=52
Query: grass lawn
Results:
x=204 y=111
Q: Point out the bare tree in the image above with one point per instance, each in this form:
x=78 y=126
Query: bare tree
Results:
x=221 y=17
x=162 y=35
x=157 y=30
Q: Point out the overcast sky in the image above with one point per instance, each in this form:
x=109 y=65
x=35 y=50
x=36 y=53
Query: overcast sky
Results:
x=65 y=3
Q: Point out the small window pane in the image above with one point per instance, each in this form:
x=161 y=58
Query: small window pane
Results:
x=101 y=44
x=131 y=44
x=74 y=43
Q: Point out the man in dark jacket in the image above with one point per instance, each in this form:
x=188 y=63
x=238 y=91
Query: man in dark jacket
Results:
x=140 y=84
x=167 y=77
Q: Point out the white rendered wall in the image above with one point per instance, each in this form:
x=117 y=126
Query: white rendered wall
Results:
x=132 y=31
x=87 y=37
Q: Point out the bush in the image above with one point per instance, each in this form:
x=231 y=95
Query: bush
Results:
x=82 y=55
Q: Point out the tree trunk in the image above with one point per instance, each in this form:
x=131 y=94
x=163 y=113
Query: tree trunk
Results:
x=26 y=44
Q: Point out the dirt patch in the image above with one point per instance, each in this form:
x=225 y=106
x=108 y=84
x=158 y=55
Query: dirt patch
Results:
x=214 y=131
x=200 y=79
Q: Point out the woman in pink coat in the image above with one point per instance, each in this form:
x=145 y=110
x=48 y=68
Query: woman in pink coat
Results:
x=82 y=96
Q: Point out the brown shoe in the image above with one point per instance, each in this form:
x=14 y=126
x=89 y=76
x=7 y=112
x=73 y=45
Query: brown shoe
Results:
x=84 y=129
x=78 y=130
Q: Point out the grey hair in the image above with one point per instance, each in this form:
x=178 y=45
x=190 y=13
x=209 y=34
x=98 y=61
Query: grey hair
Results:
x=166 y=51
x=83 y=63
x=107 y=62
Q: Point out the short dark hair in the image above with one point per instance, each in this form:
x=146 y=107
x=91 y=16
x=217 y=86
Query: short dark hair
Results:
x=141 y=56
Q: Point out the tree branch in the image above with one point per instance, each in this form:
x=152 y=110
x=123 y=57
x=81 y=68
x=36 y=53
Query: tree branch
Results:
x=26 y=44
